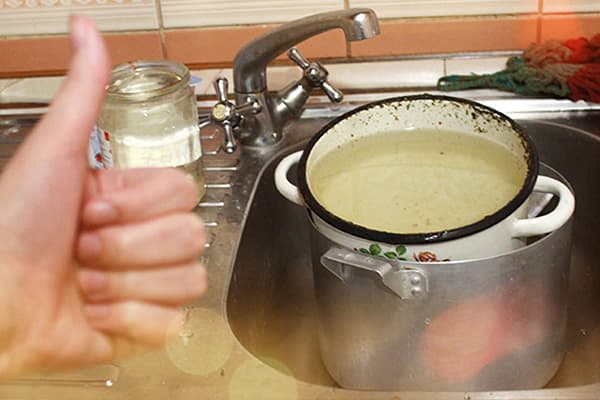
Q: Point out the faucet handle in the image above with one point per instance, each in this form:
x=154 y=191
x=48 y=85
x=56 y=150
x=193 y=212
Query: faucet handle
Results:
x=316 y=74
x=221 y=86
x=228 y=115
x=297 y=57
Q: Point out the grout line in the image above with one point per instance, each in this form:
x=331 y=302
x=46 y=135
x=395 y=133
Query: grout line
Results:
x=161 y=29
x=538 y=27
x=348 y=50
x=348 y=45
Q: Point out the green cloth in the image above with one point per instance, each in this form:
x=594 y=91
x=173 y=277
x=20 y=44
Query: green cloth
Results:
x=520 y=76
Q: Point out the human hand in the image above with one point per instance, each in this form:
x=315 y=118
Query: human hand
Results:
x=462 y=341
x=130 y=230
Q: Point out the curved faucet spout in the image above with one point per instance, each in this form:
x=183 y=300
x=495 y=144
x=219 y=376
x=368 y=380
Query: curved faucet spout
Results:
x=251 y=62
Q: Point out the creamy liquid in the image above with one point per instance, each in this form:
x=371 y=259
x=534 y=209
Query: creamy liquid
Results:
x=417 y=181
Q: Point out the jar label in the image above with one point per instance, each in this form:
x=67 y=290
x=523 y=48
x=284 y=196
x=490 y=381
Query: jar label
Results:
x=95 y=150
x=107 y=158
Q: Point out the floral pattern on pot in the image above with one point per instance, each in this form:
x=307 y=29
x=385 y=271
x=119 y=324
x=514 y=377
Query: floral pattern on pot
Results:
x=398 y=253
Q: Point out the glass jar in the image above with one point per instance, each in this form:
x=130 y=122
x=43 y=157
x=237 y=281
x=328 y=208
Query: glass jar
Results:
x=150 y=119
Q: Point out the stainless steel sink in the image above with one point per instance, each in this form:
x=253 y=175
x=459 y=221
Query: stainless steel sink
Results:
x=270 y=303
x=256 y=323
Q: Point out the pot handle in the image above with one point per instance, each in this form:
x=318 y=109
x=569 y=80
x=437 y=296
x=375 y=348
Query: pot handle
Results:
x=555 y=219
x=283 y=185
x=407 y=283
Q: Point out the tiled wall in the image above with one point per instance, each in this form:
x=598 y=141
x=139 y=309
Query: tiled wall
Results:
x=205 y=33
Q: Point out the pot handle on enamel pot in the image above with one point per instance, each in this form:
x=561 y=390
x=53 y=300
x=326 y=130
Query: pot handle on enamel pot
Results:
x=553 y=220
x=406 y=282
x=282 y=183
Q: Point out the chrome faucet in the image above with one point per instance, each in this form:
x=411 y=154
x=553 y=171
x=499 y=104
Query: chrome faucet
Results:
x=259 y=117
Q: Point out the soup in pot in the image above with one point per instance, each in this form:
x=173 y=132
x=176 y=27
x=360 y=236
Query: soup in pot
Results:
x=417 y=181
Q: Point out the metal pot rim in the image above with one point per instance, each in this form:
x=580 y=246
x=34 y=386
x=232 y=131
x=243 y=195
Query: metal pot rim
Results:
x=427 y=237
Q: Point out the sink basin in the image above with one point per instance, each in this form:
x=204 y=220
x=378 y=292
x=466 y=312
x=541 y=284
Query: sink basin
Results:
x=270 y=303
x=255 y=327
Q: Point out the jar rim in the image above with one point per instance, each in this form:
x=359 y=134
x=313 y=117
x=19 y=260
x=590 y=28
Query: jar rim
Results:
x=146 y=79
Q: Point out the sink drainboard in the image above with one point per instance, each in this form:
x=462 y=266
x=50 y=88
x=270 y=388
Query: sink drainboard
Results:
x=219 y=168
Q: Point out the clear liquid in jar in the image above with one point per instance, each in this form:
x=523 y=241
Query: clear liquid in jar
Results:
x=180 y=149
x=195 y=170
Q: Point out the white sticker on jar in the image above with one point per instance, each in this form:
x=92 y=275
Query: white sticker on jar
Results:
x=95 y=150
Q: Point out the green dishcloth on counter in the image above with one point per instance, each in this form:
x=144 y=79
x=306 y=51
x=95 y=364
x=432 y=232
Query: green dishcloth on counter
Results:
x=568 y=69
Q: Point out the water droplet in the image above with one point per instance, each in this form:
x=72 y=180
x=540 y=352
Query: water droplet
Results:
x=467 y=397
x=211 y=341
x=108 y=383
x=185 y=335
x=427 y=321
x=583 y=331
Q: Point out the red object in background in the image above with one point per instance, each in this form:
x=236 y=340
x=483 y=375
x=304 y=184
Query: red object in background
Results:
x=464 y=339
x=584 y=84
x=461 y=341
x=583 y=50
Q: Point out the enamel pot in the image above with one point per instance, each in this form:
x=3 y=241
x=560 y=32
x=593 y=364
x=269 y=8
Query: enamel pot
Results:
x=504 y=230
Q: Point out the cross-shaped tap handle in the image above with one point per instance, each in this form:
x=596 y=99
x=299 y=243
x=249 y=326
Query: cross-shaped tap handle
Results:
x=316 y=74
x=228 y=115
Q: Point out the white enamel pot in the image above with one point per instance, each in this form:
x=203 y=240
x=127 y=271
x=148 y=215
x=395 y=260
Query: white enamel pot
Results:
x=505 y=230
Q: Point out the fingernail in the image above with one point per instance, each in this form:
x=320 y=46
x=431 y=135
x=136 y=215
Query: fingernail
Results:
x=101 y=212
x=90 y=246
x=92 y=280
x=78 y=32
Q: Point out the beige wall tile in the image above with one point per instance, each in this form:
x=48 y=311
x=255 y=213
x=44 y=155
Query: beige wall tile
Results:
x=36 y=17
x=199 y=13
x=207 y=77
x=5 y=83
x=32 y=90
x=419 y=8
x=386 y=74
x=479 y=65
x=366 y=75
x=570 y=6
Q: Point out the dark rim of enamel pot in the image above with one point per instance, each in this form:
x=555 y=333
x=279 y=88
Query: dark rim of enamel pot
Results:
x=426 y=237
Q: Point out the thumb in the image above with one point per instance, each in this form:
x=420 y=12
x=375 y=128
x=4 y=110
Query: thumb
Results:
x=41 y=187
x=64 y=131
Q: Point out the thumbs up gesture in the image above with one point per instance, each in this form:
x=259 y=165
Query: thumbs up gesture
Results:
x=92 y=263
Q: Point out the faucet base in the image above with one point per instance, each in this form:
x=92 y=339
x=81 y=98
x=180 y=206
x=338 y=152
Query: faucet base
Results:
x=263 y=128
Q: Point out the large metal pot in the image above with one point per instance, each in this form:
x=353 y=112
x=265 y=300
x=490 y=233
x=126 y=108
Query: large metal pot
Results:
x=492 y=316
x=488 y=324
